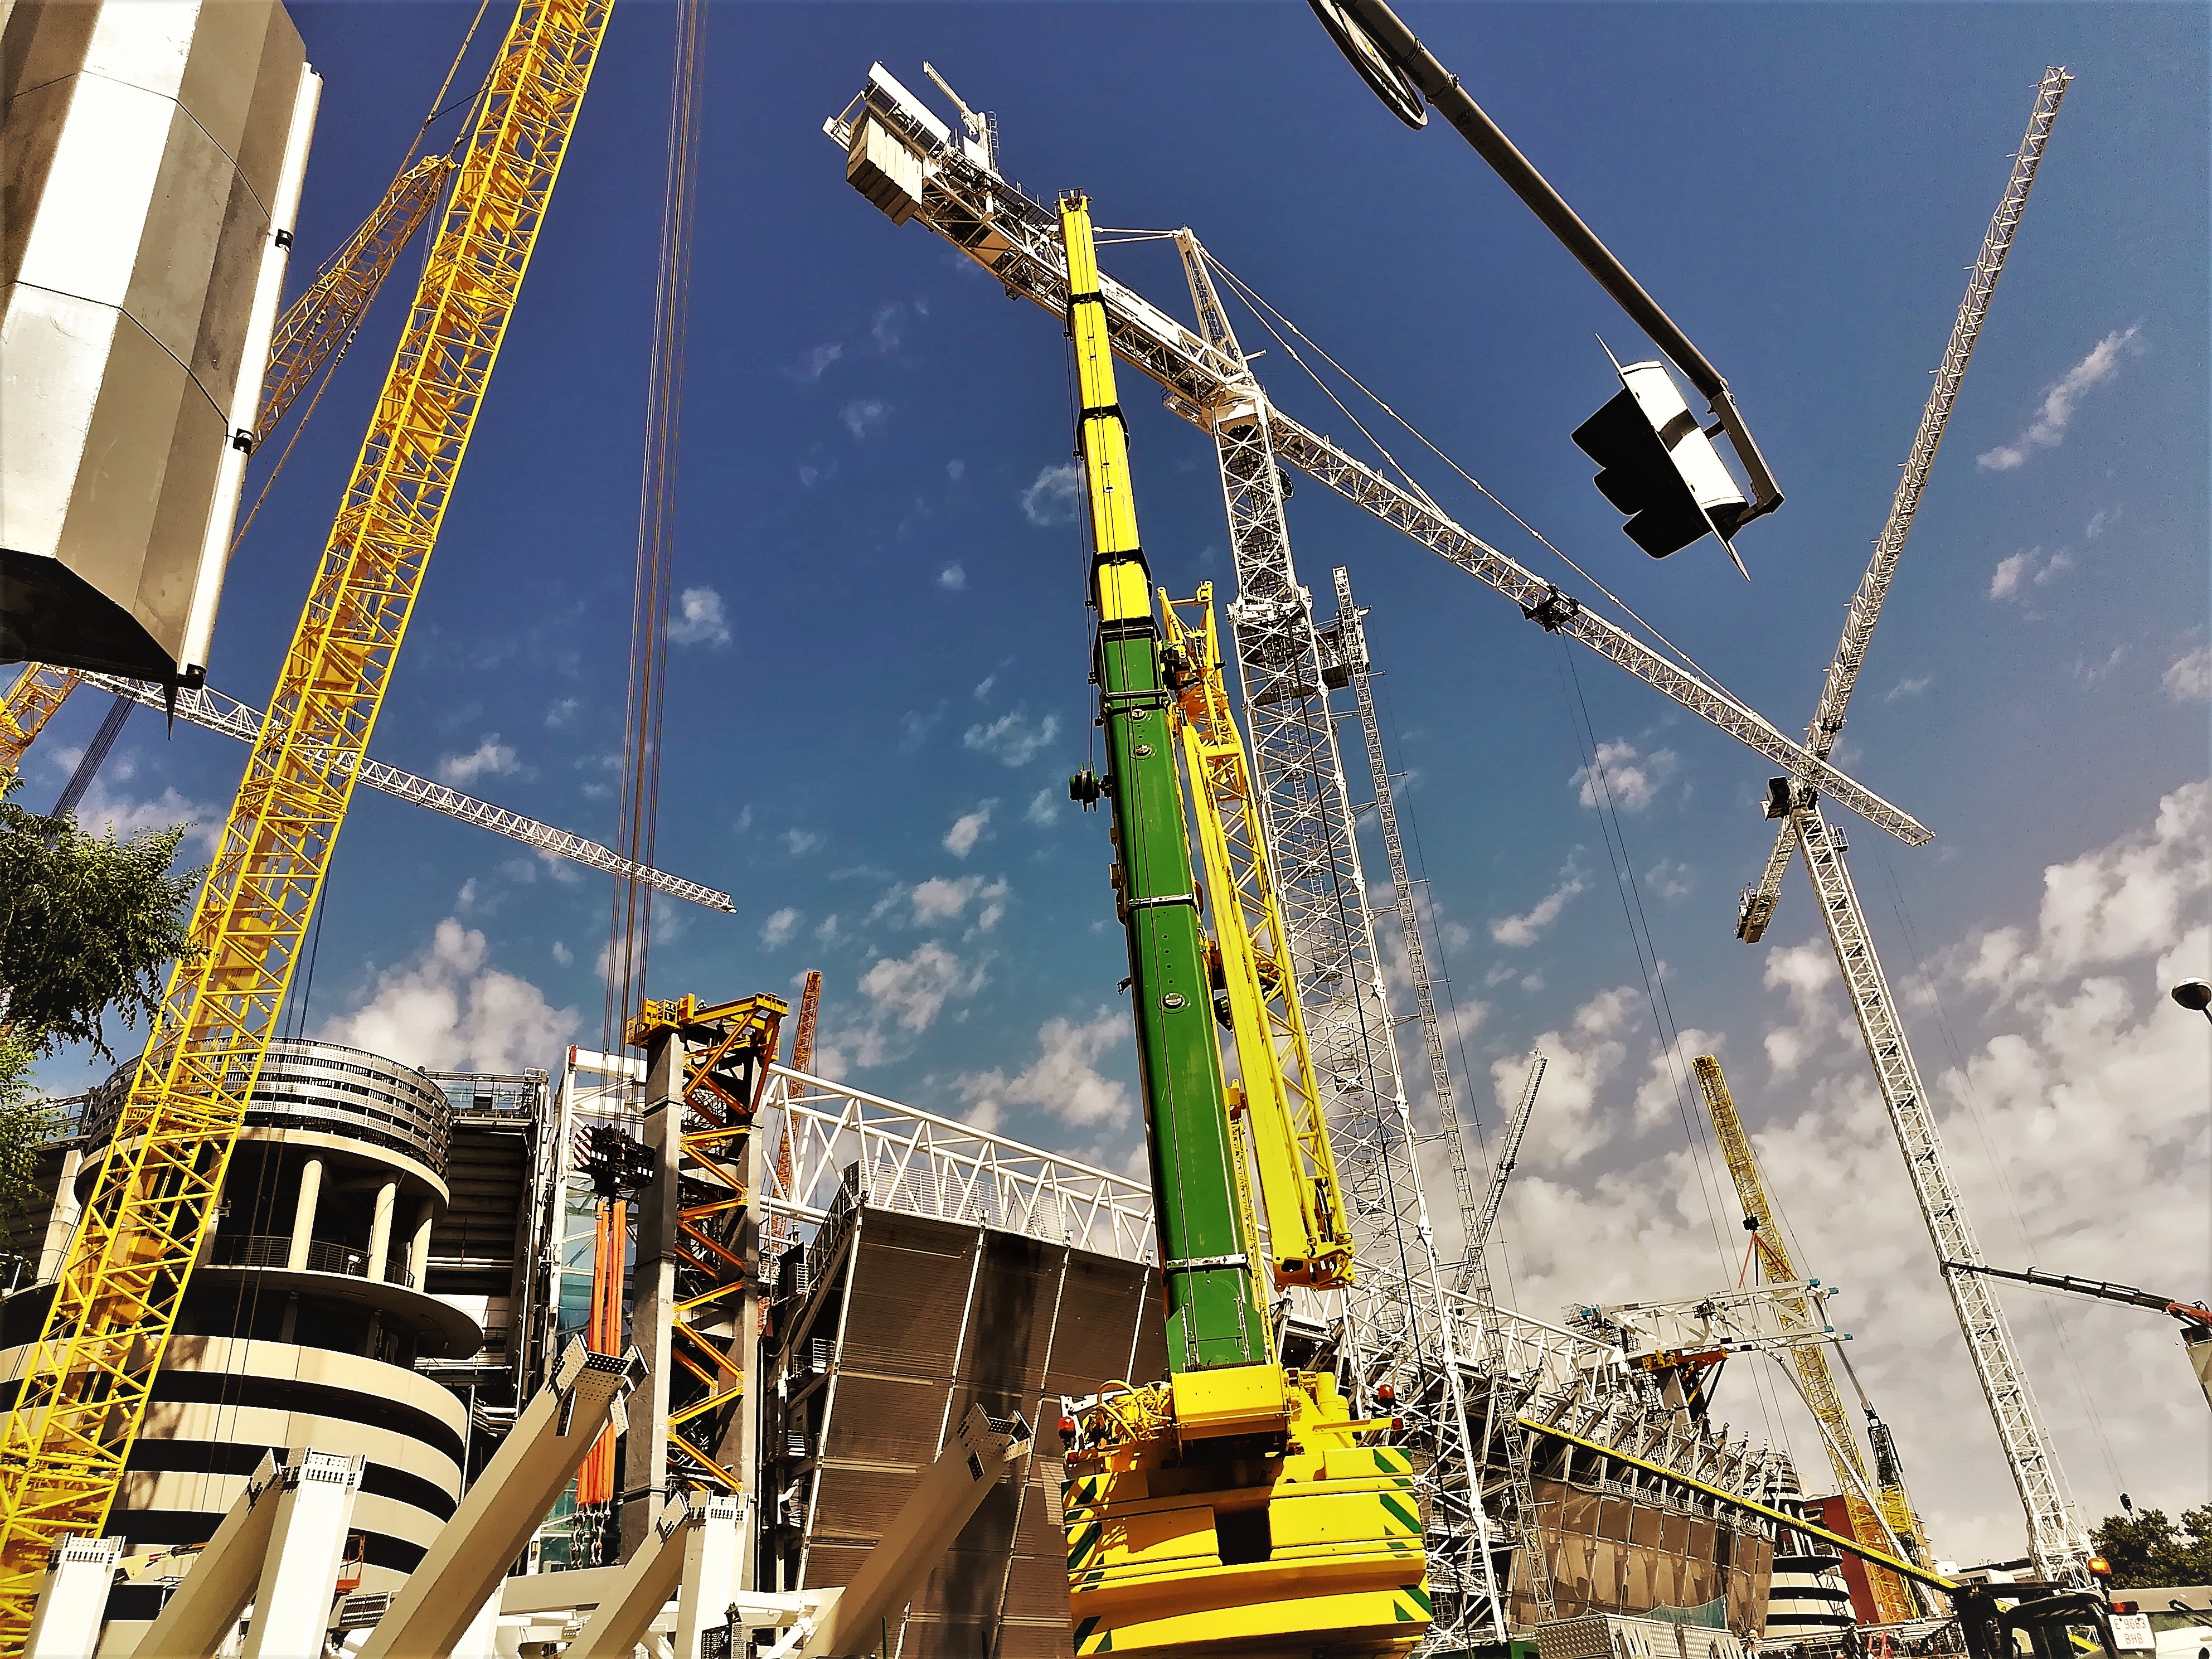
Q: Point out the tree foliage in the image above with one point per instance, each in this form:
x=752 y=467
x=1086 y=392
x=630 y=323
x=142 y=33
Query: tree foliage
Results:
x=87 y=924
x=26 y=1121
x=2147 y=1549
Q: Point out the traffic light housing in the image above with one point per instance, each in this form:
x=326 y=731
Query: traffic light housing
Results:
x=1658 y=466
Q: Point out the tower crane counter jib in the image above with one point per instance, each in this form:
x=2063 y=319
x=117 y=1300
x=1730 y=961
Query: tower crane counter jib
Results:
x=1230 y=1507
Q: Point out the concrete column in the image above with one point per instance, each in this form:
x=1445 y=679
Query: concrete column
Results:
x=62 y=1220
x=379 y=1229
x=303 y=1214
x=652 y=1292
x=418 y=1252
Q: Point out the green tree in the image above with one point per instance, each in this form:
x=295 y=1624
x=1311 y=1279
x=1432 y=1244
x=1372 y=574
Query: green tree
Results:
x=26 y=1121
x=2147 y=1548
x=88 y=923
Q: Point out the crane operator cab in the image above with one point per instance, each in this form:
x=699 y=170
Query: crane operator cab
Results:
x=2034 y=1621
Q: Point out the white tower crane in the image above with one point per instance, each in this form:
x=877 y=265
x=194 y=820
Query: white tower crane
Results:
x=2055 y=1538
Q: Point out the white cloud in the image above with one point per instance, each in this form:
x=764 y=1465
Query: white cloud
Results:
x=952 y=578
x=2100 y=522
x=105 y=811
x=2032 y=566
x=2092 y=674
x=1013 y=738
x=817 y=363
x=888 y=327
x=968 y=829
x=1051 y=496
x=2132 y=898
x=1043 y=809
x=2190 y=679
x=490 y=756
x=779 y=927
x=956 y=469
x=2073 y=1113
x=562 y=954
x=561 y=713
x=1632 y=780
x=905 y=995
x=1912 y=687
x=1670 y=878
x=1527 y=928
x=2057 y=410
x=863 y=416
x=1063 y=1081
x=801 y=841
x=447 y=1010
x=915 y=726
x=699 y=620
x=943 y=899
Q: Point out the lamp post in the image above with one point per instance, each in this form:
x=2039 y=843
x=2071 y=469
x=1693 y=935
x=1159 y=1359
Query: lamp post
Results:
x=2195 y=995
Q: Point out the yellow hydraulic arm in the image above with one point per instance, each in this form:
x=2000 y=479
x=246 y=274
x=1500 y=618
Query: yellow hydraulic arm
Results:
x=86 y=1384
x=1308 y=1242
x=319 y=321
x=1893 y=1599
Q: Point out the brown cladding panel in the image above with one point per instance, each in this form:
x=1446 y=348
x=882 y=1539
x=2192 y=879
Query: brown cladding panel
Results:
x=882 y=1419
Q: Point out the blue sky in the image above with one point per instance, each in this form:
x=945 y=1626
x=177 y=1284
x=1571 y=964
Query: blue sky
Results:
x=879 y=681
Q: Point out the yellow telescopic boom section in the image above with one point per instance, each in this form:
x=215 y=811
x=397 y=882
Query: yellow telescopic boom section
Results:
x=85 y=1388
x=1307 y=1240
x=1893 y=1599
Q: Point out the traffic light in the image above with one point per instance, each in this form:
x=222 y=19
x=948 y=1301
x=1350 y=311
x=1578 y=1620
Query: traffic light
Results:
x=1658 y=465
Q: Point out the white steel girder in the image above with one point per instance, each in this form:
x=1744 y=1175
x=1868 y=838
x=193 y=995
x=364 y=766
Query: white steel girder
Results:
x=1393 y=1310
x=202 y=706
x=969 y=204
x=2055 y=1538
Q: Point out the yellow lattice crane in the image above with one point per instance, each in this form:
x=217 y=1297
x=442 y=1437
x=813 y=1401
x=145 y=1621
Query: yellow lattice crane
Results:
x=1893 y=1599
x=1307 y=1241
x=318 y=323
x=86 y=1384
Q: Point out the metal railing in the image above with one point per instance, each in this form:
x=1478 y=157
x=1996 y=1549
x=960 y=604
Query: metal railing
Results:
x=275 y=1250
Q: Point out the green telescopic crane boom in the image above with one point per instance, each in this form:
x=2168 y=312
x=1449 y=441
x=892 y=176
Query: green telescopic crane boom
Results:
x=1214 y=1316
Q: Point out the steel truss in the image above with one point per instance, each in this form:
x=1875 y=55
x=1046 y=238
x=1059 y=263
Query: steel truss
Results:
x=1018 y=241
x=203 y=706
x=1392 y=1312
x=2055 y=1538
x=1758 y=899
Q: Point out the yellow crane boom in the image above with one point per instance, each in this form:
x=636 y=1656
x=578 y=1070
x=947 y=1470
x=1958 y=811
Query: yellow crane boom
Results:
x=86 y=1384
x=1893 y=1599
x=1307 y=1240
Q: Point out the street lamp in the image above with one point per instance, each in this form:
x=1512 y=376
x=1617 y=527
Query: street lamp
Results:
x=2195 y=995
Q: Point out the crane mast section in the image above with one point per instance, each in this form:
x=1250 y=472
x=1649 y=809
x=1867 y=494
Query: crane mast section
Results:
x=1816 y=1380
x=1347 y=639
x=2060 y=1550
x=1013 y=239
x=204 y=706
x=1307 y=1241
x=1759 y=900
x=87 y=1382
x=1214 y=1315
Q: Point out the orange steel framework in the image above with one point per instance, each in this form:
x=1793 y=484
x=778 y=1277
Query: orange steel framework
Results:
x=86 y=1384
x=315 y=326
x=724 y=1056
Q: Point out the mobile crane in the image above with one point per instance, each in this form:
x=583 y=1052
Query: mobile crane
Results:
x=2195 y=1318
x=1228 y=1507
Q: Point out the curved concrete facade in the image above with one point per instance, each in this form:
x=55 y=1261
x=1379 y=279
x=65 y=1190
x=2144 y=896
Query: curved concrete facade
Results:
x=303 y=1321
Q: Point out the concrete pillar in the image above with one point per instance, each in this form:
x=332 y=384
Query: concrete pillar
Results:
x=379 y=1229
x=66 y=1622
x=653 y=1291
x=303 y=1214
x=292 y=1600
x=418 y=1252
x=61 y=1220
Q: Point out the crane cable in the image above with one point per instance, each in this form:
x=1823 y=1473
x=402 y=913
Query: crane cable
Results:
x=629 y=927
